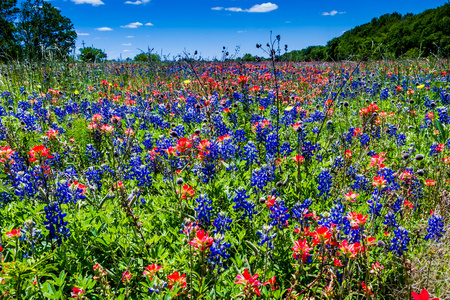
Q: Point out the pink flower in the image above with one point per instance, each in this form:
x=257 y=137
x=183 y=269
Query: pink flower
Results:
x=350 y=196
x=76 y=292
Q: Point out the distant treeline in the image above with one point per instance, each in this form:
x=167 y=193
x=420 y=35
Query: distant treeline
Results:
x=390 y=36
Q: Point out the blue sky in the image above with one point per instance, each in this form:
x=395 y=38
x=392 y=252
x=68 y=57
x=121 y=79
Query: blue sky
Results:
x=122 y=27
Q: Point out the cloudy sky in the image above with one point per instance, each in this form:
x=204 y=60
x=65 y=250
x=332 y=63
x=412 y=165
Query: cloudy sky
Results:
x=125 y=27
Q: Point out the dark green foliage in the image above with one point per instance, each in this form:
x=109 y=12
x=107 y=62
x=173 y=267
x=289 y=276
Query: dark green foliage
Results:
x=90 y=54
x=36 y=31
x=7 y=39
x=387 y=37
x=147 y=57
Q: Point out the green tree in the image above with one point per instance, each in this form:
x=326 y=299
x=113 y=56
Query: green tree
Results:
x=147 y=57
x=248 y=57
x=90 y=54
x=44 y=32
x=8 y=42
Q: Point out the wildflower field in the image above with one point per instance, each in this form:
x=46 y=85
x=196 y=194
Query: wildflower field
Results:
x=202 y=180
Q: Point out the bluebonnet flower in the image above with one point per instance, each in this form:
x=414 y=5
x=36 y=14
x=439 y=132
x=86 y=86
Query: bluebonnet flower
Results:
x=364 y=139
x=266 y=236
x=286 y=149
x=300 y=210
x=443 y=115
x=400 y=241
x=218 y=254
x=374 y=204
x=435 y=149
x=207 y=172
x=279 y=214
x=158 y=287
x=222 y=223
x=262 y=176
x=55 y=223
x=325 y=183
x=241 y=203
x=66 y=193
x=30 y=233
x=203 y=210
x=389 y=220
x=401 y=139
x=435 y=228
x=94 y=177
x=338 y=162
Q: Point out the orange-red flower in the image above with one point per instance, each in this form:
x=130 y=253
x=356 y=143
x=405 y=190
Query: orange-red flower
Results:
x=202 y=242
x=175 y=278
x=379 y=182
x=322 y=235
x=350 y=196
x=13 y=233
x=298 y=159
x=186 y=192
x=183 y=145
x=151 y=270
x=250 y=283
x=39 y=152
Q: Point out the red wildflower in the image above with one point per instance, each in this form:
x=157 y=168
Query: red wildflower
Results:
x=76 y=292
x=151 y=270
x=430 y=182
x=301 y=249
x=183 y=145
x=202 y=242
x=356 y=219
x=52 y=133
x=379 y=182
x=175 y=278
x=270 y=282
x=366 y=290
x=39 y=152
x=13 y=233
x=424 y=295
x=298 y=159
x=186 y=192
x=250 y=283
x=270 y=201
x=350 y=196
x=322 y=235
x=126 y=276
x=5 y=153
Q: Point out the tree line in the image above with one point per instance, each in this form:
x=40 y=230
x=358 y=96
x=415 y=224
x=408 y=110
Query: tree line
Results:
x=390 y=36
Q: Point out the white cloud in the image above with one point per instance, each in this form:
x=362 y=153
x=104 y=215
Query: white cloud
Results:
x=137 y=2
x=126 y=44
x=82 y=33
x=258 y=8
x=133 y=25
x=130 y=36
x=104 y=29
x=93 y=2
x=332 y=13
x=235 y=9
x=127 y=50
x=149 y=24
x=262 y=8
x=241 y=31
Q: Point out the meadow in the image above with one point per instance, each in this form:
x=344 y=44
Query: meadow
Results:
x=225 y=180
